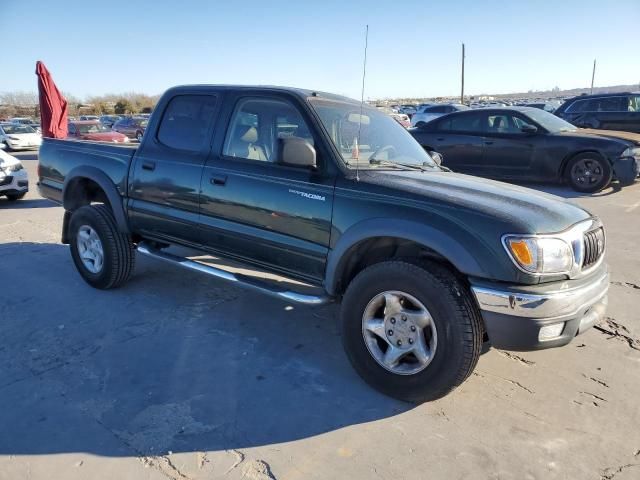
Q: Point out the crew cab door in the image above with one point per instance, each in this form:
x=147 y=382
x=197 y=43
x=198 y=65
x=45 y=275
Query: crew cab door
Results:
x=260 y=211
x=164 y=180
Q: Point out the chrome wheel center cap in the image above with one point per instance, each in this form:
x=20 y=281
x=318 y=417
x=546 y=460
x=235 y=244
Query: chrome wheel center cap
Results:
x=400 y=330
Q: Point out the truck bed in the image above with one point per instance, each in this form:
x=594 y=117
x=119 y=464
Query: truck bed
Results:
x=59 y=157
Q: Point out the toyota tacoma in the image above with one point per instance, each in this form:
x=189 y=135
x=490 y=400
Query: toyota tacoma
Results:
x=429 y=266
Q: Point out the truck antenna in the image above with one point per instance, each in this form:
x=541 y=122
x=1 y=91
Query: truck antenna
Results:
x=364 y=74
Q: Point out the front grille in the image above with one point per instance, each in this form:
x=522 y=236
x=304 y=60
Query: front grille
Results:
x=593 y=247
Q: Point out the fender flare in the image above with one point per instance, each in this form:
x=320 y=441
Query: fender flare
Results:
x=106 y=184
x=422 y=234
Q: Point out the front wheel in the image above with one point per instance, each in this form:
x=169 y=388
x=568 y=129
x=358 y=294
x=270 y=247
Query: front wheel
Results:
x=13 y=198
x=588 y=173
x=104 y=256
x=413 y=333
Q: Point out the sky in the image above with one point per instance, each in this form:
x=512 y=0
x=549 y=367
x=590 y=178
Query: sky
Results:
x=111 y=46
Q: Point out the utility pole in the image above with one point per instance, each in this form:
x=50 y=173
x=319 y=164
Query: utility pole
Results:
x=593 y=75
x=462 y=88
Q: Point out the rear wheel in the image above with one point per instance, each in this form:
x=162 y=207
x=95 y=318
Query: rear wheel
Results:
x=588 y=172
x=410 y=332
x=104 y=256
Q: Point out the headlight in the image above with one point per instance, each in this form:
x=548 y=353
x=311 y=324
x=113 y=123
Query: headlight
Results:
x=540 y=254
x=631 y=152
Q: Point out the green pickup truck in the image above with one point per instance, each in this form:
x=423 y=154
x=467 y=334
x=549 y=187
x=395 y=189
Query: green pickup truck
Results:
x=429 y=266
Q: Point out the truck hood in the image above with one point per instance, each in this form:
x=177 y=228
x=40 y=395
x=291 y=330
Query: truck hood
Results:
x=520 y=209
x=623 y=138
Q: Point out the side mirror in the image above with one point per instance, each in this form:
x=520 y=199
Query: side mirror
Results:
x=437 y=157
x=530 y=129
x=297 y=152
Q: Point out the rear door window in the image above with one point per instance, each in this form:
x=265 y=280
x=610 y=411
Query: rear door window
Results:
x=613 y=104
x=187 y=121
x=577 y=106
x=462 y=123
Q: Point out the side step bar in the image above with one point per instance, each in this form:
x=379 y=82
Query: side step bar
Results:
x=241 y=280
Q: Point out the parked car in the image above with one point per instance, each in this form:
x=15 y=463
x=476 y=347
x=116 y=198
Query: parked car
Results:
x=401 y=118
x=35 y=124
x=426 y=263
x=86 y=118
x=94 y=131
x=435 y=111
x=109 y=120
x=523 y=143
x=612 y=111
x=407 y=109
x=21 y=120
x=14 y=182
x=132 y=127
x=16 y=136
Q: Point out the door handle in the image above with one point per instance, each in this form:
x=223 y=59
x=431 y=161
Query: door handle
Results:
x=220 y=180
x=441 y=139
x=488 y=142
x=149 y=165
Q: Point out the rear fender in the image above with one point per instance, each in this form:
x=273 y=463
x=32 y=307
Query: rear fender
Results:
x=71 y=200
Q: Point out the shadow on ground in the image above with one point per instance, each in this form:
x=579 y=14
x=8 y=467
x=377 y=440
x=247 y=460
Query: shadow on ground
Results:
x=25 y=203
x=171 y=361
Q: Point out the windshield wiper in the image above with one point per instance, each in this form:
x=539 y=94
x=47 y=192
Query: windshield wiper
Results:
x=388 y=163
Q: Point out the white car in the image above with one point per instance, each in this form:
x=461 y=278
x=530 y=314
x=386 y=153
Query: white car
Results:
x=15 y=136
x=14 y=182
x=435 y=111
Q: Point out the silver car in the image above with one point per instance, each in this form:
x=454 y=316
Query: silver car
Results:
x=435 y=111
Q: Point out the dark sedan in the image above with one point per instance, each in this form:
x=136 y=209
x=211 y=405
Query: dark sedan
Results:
x=529 y=144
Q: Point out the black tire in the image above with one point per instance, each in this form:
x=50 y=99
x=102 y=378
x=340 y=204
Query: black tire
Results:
x=457 y=320
x=13 y=198
x=7 y=148
x=119 y=251
x=420 y=124
x=599 y=177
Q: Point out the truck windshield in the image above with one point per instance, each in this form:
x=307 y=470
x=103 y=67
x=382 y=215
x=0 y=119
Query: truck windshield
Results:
x=370 y=140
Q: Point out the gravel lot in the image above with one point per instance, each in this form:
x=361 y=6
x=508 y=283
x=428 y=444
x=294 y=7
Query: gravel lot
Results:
x=180 y=376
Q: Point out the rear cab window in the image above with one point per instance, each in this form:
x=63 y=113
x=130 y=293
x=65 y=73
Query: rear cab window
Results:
x=186 y=122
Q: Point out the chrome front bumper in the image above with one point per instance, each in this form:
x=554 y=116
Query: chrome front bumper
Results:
x=515 y=315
